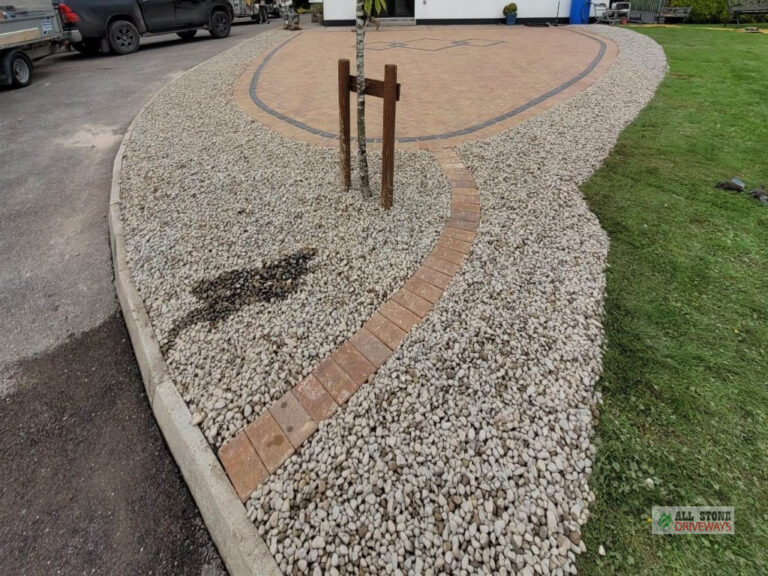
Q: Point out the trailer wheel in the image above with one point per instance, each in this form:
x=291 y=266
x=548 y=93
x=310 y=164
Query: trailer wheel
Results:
x=123 y=37
x=21 y=69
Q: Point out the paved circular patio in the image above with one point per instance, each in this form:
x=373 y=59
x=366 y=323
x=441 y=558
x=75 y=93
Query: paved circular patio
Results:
x=459 y=83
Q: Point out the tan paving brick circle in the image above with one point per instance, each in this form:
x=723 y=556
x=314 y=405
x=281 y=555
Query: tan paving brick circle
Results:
x=459 y=83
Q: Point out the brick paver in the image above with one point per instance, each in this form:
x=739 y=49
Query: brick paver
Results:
x=352 y=361
x=466 y=196
x=293 y=419
x=451 y=243
x=465 y=206
x=433 y=277
x=385 y=330
x=315 y=398
x=399 y=314
x=371 y=347
x=461 y=224
x=270 y=442
x=424 y=289
x=444 y=266
x=449 y=255
x=465 y=235
x=243 y=465
x=460 y=183
x=469 y=216
x=413 y=302
x=338 y=383
x=470 y=191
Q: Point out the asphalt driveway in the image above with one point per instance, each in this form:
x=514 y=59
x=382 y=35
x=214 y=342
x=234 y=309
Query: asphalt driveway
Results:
x=88 y=485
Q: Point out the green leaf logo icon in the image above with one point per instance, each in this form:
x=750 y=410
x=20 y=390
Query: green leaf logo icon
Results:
x=665 y=520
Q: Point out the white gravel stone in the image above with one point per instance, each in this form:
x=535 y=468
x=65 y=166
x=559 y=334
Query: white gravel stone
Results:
x=206 y=190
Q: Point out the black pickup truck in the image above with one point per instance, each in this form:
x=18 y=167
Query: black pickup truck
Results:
x=117 y=25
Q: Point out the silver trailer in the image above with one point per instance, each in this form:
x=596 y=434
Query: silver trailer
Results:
x=29 y=31
x=259 y=10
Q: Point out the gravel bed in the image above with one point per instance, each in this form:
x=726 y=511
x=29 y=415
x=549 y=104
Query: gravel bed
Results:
x=470 y=452
x=252 y=262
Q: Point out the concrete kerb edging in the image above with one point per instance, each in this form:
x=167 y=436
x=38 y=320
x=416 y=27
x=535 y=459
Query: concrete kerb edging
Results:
x=242 y=549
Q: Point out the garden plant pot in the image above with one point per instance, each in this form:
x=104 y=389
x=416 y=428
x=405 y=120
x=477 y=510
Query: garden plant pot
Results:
x=511 y=18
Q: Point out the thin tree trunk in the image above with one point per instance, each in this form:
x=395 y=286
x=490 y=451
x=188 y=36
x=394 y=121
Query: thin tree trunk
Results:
x=362 y=148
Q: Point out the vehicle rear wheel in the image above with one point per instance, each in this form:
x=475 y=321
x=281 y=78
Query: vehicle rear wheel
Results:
x=123 y=37
x=221 y=24
x=187 y=34
x=88 y=47
x=21 y=70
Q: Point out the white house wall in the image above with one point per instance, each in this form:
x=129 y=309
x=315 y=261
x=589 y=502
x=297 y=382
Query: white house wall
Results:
x=458 y=9
x=485 y=9
x=338 y=9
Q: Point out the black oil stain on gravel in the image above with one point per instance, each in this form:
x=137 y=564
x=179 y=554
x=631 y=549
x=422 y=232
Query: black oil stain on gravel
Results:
x=230 y=291
x=87 y=485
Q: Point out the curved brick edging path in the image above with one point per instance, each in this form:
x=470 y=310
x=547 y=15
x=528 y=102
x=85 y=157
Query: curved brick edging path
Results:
x=267 y=442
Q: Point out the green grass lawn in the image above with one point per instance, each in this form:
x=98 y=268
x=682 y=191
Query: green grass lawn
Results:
x=685 y=381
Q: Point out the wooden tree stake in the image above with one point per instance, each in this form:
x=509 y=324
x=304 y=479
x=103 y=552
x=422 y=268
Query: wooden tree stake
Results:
x=344 y=122
x=388 y=141
x=389 y=90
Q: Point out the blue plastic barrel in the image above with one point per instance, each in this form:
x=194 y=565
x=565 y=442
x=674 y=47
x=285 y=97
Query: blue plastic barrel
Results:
x=580 y=11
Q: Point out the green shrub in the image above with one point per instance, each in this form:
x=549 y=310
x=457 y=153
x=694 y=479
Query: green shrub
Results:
x=705 y=11
x=510 y=8
x=712 y=11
